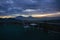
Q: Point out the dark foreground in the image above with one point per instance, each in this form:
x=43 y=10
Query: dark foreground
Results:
x=18 y=32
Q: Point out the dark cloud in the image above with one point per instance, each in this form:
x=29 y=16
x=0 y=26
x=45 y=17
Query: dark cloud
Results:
x=17 y=6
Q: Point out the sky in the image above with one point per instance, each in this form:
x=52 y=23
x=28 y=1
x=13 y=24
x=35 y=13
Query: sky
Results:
x=9 y=7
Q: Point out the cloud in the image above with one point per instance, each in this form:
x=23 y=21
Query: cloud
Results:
x=18 y=6
x=29 y=10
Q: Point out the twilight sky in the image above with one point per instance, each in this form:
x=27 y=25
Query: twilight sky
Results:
x=9 y=7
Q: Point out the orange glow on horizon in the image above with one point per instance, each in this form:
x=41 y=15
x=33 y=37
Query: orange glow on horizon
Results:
x=46 y=15
x=6 y=16
x=35 y=15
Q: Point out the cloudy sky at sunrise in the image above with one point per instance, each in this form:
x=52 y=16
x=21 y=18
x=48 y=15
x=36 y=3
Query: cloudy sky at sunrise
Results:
x=9 y=7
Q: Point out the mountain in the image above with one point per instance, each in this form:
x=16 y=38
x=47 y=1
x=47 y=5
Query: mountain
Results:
x=30 y=18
